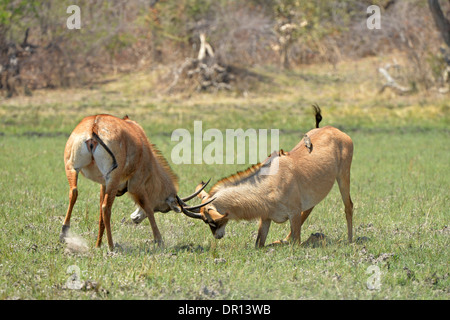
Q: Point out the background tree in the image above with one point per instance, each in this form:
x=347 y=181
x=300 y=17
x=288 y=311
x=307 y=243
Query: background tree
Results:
x=442 y=23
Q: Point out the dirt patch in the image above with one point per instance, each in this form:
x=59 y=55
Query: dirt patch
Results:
x=75 y=245
x=316 y=240
x=365 y=257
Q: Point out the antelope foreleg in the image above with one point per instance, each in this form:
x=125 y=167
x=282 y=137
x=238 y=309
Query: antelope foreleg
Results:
x=263 y=230
x=296 y=226
x=151 y=217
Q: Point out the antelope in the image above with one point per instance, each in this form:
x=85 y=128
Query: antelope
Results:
x=117 y=154
x=297 y=181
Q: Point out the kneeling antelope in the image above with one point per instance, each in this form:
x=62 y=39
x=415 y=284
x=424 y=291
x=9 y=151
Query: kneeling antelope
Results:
x=117 y=154
x=296 y=182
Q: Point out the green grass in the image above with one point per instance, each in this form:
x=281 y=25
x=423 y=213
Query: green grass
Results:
x=400 y=181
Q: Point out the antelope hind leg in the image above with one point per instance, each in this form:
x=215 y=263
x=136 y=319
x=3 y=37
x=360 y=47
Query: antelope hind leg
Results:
x=344 y=188
x=72 y=178
x=101 y=225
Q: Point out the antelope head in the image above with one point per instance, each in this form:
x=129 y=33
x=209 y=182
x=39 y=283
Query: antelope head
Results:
x=175 y=203
x=206 y=211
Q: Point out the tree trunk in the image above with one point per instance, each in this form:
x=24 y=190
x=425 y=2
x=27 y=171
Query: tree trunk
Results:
x=441 y=21
x=285 y=57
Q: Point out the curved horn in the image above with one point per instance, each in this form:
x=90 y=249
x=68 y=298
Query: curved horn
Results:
x=199 y=205
x=187 y=212
x=195 y=193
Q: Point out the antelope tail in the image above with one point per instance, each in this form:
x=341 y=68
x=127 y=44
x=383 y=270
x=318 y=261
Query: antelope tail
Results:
x=99 y=140
x=318 y=114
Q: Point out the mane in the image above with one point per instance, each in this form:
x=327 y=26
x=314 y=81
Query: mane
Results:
x=236 y=178
x=155 y=151
x=241 y=176
x=164 y=164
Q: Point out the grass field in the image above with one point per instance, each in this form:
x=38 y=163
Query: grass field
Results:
x=400 y=182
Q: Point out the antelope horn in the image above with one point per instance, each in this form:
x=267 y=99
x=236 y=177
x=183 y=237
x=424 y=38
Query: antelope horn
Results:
x=199 y=205
x=195 y=193
x=191 y=214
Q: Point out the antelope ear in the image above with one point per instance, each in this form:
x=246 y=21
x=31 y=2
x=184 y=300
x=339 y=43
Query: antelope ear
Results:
x=213 y=215
x=203 y=193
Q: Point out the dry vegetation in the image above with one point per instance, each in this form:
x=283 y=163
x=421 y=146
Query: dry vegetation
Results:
x=38 y=51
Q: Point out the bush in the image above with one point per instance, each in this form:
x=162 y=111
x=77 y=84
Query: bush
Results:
x=125 y=36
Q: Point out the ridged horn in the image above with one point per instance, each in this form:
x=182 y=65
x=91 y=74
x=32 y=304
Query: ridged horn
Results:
x=199 y=205
x=195 y=193
x=189 y=213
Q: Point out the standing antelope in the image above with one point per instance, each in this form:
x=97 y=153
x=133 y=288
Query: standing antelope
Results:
x=117 y=154
x=301 y=179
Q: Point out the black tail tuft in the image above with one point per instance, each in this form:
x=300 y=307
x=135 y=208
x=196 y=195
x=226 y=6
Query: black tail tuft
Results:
x=318 y=114
x=114 y=164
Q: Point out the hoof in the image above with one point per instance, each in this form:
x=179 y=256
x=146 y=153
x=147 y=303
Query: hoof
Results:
x=64 y=233
x=156 y=243
x=279 y=242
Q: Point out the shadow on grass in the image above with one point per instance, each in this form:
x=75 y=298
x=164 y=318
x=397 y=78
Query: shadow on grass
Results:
x=319 y=240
